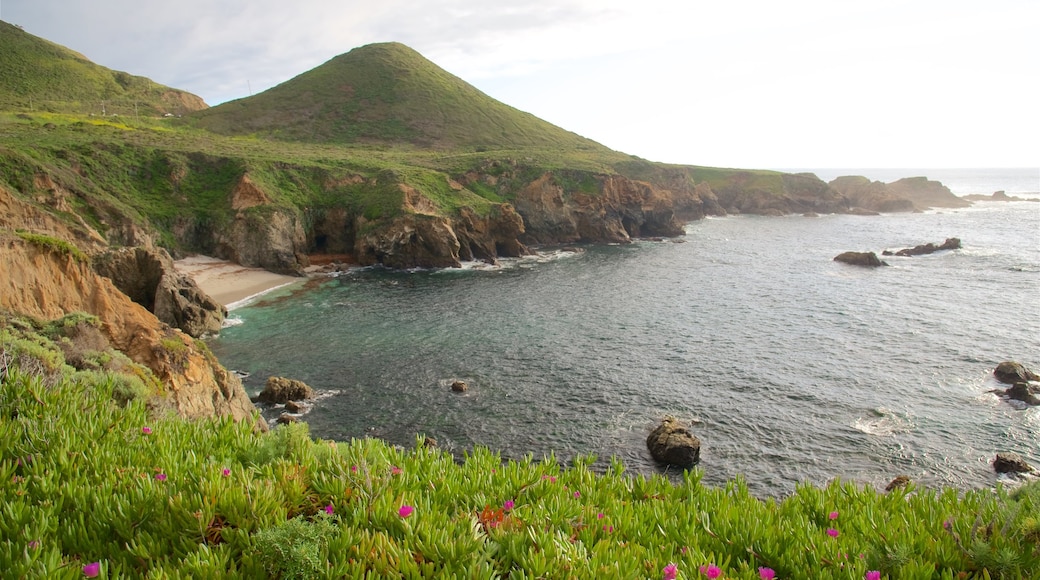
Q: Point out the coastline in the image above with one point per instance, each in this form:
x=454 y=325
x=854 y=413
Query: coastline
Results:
x=229 y=283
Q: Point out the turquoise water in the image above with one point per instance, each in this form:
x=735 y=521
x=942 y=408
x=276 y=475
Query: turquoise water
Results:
x=790 y=367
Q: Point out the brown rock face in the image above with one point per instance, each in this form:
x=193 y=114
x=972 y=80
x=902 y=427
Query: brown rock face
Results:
x=283 y=390
x=1011 y=463
x=860 y=192
x=39 y=283
x=150 y=279
x=925 y=193
x=866 y=259
x=671 y=443
x=409 y=241
x=1010 y=372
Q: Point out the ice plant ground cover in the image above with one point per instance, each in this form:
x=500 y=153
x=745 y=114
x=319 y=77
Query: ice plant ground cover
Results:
x=86 y=489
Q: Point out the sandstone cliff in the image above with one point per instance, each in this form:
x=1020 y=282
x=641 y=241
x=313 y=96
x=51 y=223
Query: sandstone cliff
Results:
x=46 y=284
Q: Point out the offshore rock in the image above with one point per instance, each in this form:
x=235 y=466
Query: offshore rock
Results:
x=929 y=248
x=48 y=285
x=282 y=390
x=1011 y=463
x=672 y=443
x=1010 y=372
x=149 y=278
x=1024 y=392
x=865 y=259
x=898 y=482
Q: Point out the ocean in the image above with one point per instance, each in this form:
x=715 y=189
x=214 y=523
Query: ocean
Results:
x=788 y=366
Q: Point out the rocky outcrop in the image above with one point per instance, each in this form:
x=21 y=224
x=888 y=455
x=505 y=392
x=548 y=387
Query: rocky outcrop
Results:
x=866 y=259
x=998 y=196
x=672 y=443
x=281 y=390
x=924 y=249
x=47 y=285
x=1010 y=372
x=607 y=208
x=1025 y=393
x=264 y=237
x=925 y=193
x=1011 y=463
x=874 y=196
x=149 y=278
x=408 y=241
x=764 y=193
x=899 y=481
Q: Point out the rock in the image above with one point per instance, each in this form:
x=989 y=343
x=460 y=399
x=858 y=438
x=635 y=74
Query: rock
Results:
x=898 y=482
x=282 y=390
x=429 y=443
x=286 y=418
x=866 y=259
x=671 y=443
x=459 y=386
x=949 y=244
x=149 y=278
x=1011 y=463
x=925 y=193
x=294 y=407
x=1010 y=372
x=1028 y=394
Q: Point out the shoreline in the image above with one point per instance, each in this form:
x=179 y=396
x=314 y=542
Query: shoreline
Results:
x=231 y=284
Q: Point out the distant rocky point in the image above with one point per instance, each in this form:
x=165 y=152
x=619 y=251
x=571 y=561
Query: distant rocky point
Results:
x=905 y=195
x=997 y=196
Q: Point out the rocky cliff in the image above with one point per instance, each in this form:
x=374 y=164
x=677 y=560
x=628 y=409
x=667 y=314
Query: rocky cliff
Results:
x=46 y=283
x=908 y=194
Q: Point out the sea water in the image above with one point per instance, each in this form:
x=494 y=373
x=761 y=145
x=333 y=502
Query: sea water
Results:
x=788 y=366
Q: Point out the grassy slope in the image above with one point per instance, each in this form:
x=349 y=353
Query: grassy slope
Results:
x=87 y=475
x=38 y=75
x=387 y=94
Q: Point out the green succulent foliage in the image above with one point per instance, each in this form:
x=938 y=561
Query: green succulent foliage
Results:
x=87 y=478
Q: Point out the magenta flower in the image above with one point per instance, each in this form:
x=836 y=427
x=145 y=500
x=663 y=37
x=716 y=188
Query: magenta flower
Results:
x=160 y=476
x=766 y=573
x=833 y=515
x=508 y=506
x=395 y=470
x=711 y=571
x=92 y=569
x=33 y=544
x=146 y=430
x=226 y=472
x=872 y=575
x=577 y=494
x=329 y=509
x=600 y=516
x=833 y=533
x=353 y=468
x=405 y=511
x=670 y=572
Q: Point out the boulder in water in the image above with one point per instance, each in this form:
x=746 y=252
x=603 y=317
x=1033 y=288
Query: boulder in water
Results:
x=1011 y=463
x=282 y=390
x=1028 y=394
x=1010 y=372
x=929 y=248
x=672 y=443
x=865 y=259
x=459 y=386
x=898 y=482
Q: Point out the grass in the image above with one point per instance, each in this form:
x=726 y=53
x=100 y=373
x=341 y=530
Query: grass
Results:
x=88 y=480
x=54 y=245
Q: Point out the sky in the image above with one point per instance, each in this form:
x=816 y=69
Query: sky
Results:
x=728 y=83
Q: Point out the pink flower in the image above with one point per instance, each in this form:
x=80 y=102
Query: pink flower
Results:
x=395 y=470
x=92 y=569
x=146 y=430
x=766 y=573
x=353 y=468
x=577 y=494
x=33 y=544
x=405 y=511
x=872 y=575
x=670 y=572
x=160 y=476
x=508 y=506
x=832 y=532
x=600 y=516
x=711 y=571
x=833 y=515
x=226 y=472
x=329 y=509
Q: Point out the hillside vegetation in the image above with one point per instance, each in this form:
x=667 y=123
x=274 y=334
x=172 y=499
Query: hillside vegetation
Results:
x=92 y=481
x=38 y=75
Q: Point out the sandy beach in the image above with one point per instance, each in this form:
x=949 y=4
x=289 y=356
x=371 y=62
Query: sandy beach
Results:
x=229 y=283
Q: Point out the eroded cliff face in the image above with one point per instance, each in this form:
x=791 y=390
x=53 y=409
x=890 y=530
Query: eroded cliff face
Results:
x=618 y=210
x=44 y=284
x=861 y=192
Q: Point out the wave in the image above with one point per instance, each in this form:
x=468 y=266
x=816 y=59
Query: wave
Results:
x=883 y=423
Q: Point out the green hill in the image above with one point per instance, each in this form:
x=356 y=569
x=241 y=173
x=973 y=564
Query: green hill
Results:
x=387 y=94
x=38 y=75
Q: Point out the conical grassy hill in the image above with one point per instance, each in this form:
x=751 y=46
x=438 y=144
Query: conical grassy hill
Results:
x=37 y=75
x=387 y=94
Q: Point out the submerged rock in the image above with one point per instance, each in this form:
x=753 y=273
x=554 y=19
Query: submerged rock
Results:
x=282 y=390
x=1011 y=463
x=1010 y=372
x=865 y=259
x=672 y=443
x=929 y=248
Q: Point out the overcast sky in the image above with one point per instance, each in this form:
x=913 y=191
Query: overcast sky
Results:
x=729 y=83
